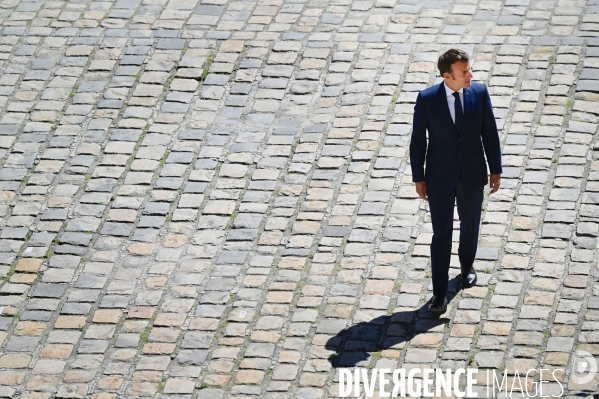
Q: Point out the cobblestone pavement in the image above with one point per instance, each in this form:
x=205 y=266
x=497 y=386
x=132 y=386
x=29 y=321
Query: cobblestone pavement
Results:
x=199 y=196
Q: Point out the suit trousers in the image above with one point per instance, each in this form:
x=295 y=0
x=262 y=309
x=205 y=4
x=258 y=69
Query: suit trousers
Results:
x=441 y=204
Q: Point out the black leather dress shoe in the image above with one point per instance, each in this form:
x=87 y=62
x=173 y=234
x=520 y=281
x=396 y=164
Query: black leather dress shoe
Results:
x=468 y=276
x=438 y=304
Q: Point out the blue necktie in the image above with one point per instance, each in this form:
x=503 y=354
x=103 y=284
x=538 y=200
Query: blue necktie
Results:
x=459 y=114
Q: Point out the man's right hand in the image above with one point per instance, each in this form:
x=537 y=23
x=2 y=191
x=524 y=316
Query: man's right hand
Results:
x=421 y=190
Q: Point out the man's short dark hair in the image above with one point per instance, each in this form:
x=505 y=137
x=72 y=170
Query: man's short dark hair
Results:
x=450 y=57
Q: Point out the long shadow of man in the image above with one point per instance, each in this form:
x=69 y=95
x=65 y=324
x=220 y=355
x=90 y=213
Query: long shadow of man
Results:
x=354 y=345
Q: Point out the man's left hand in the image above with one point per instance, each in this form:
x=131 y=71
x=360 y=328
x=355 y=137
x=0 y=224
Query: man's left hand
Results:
x=494 y=183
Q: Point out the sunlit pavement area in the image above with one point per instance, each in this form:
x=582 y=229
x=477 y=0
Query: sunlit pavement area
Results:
x=199 y=197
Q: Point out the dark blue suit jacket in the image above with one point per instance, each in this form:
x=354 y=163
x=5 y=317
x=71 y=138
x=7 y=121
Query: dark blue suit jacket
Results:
x=449 y=151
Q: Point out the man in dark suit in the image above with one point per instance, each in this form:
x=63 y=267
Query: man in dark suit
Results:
x=459 y=118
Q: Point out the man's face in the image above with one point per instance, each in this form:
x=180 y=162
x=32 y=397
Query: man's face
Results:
x=460 y=76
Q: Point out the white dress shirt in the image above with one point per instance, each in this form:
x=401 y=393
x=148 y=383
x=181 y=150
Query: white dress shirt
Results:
x=451 y=100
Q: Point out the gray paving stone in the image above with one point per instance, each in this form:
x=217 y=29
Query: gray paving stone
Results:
x=197 y=340
x=36 y=316
x=116 y=229
x=71 y=308
x=45 y=290
x=232 y=257
x=22 y=344
x=83 y=295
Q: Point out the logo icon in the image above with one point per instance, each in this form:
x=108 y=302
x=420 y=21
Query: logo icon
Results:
x=584 y=367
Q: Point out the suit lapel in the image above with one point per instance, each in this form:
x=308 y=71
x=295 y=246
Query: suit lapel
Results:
x=444 y=107
x=466 y=101
x=467 y=107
